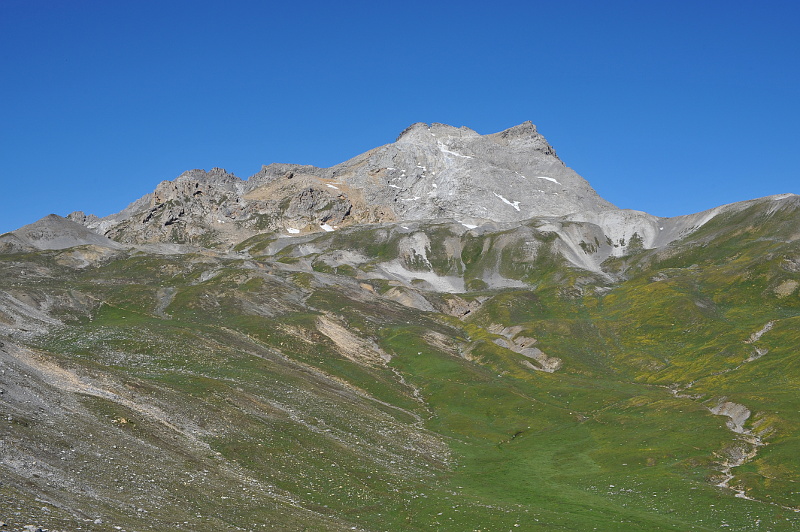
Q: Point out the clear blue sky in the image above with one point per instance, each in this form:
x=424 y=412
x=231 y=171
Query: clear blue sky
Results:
x=669 y=107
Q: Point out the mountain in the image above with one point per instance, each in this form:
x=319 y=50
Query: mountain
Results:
x=430 y=172
x=54 y=232
x=306 y=350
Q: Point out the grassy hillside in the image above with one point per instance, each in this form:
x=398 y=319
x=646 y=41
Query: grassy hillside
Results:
x=214 y=392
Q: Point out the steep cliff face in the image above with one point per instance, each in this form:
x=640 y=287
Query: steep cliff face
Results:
x=440 y=171
x=430 y=172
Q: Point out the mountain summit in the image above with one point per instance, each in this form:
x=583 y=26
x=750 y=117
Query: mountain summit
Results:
x=430 y=172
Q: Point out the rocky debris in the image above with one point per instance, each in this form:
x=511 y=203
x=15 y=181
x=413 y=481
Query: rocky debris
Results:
x=409 y=298
x=756 y=336
x=458 y=307
x=792 y=264
x=351 y=346
x=786 y=288
x=54 y=232
x=11 y=243
x=319 y=206
x=525 y=346
x=743 y=450
x=82 y=218
x=737 y=415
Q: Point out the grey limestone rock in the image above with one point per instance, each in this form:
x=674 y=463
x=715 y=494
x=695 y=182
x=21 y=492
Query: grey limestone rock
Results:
x=55 y=232
x=440 y=171
x=430 y=172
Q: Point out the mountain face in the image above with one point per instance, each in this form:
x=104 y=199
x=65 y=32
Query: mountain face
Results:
x=452 y=331
x=430 y=172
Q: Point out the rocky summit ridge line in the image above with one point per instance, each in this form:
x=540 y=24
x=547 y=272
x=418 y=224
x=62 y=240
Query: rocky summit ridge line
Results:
x=430 y=172
x=510 y=183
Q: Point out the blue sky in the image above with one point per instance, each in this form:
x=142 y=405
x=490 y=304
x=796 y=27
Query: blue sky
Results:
x=670 y=107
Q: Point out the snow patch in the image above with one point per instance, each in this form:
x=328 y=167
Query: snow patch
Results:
x=327 y=227
x=394 y=186
x=469 y=226
x=444 y=150
x=332 y=186
x=292 y=230
x=548 y=178
x=514 y=204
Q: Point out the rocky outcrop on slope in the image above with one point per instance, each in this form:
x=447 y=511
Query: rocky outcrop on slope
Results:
x=54 y=232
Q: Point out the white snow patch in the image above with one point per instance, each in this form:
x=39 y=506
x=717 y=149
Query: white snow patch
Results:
x=332 y=186
x=292 y=230
x=415 y=198
x=444 y=149
x=514 y=204
x=327 y=227
x=435 y=185
x=469 y=226
x=548 y=178
x=394 y=186
x=390 y=168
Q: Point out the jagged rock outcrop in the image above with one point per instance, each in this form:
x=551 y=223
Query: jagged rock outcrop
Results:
x=430 y=172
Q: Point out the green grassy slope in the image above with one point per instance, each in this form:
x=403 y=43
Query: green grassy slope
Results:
x=216 y=393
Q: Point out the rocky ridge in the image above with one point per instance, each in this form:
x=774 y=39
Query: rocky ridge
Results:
x=430 y=172
x=510 y=184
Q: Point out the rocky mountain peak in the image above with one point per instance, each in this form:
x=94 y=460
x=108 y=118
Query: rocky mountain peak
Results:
x=434 y=171
x=215 y=175
x=525 y=137
x=422 y=132
x=525 y=129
